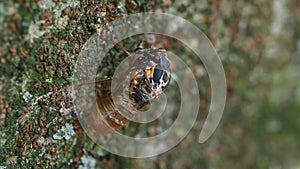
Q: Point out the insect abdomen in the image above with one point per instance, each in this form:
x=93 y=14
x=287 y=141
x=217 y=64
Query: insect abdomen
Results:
x=105 y=115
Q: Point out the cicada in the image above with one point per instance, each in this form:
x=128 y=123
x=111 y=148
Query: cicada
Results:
x=145 y=79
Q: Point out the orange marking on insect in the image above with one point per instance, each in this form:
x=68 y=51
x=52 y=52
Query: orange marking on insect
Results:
x=149 y=71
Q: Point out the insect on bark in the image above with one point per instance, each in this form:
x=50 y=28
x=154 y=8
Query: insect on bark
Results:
x=146 y=78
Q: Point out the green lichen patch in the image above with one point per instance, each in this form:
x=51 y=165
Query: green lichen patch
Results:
x=66 y=132
x=40 y=42
x=257 y=42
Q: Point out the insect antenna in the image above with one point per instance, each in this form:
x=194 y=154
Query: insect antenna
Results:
x=93 y=82
x=123 y=49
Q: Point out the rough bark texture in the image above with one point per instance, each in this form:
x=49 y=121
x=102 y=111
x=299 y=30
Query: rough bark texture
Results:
x=258 y=42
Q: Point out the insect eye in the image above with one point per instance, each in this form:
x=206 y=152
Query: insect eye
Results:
x=165 y=78
x=157 y=74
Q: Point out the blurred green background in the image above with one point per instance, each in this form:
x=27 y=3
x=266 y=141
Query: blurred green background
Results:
x=258 y=42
